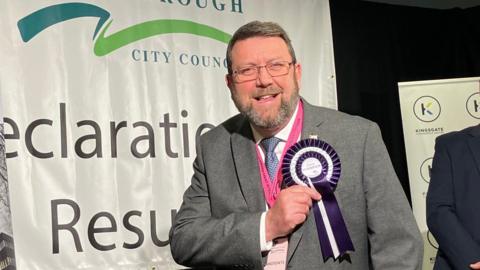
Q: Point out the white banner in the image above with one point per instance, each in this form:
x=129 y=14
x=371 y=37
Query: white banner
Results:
x=103 y=102
x=429 y=109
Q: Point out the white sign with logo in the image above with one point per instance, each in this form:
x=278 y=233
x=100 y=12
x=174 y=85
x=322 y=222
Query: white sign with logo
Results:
x=103 y=103
x=429 y=109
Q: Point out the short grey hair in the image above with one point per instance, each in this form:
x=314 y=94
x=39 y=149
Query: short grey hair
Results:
x=258 y=29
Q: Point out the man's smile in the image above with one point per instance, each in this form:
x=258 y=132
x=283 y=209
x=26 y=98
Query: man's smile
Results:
x=266 y=98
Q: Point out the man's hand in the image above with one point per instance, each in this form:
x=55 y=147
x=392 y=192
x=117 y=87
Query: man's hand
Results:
x=475 y=265
x=290 y=209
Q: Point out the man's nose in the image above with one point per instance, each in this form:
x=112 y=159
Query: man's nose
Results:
x=264 y=78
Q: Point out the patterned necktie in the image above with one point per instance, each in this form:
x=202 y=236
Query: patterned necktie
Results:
x=271 y=160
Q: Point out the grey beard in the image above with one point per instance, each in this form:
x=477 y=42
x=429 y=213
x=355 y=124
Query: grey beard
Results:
x=286 y=110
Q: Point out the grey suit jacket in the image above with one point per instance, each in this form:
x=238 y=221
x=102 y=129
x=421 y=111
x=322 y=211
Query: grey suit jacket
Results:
x=452 y=201
x=218 y=222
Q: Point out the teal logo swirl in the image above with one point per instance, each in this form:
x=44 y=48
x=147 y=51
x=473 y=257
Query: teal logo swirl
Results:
x=34 y=23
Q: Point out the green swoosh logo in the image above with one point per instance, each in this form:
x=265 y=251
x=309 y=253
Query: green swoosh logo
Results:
x=105 y=45
x=38 y=21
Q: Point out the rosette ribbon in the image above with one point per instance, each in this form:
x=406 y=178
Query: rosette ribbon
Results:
x=316 y=164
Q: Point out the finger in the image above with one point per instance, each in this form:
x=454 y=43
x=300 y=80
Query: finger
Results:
x=299 y=209
x=475 y=265
x=312 y=193
x=299 y=219
x=303 y=196
x=307 y=210
x=297 y=188
x=315 y=195
x=300 y=198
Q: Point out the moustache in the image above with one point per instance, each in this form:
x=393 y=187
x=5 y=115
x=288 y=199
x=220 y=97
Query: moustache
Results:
x=261 y=92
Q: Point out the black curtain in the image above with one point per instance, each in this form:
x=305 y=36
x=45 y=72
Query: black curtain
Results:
x=378 y=45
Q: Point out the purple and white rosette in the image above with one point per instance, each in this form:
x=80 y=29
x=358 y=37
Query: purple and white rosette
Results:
x=315 y=163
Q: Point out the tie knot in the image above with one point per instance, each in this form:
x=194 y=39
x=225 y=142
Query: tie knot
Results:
x=269 y=144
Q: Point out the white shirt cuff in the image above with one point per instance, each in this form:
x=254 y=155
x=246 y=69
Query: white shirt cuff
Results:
x=264 y=244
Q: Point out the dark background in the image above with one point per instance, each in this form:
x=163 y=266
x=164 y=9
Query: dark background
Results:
x=378 y=45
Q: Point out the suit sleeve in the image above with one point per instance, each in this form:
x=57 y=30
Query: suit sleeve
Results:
x=197 y=238
x=394 y=239
x=455 y=242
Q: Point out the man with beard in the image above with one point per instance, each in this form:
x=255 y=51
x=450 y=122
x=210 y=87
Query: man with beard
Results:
x=238 y=213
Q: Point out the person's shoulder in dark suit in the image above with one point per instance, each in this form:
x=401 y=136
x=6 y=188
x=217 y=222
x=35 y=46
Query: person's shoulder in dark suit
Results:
x=455 y=139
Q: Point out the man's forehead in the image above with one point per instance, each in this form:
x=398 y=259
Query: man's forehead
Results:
x=260 y=40
x=260 y=46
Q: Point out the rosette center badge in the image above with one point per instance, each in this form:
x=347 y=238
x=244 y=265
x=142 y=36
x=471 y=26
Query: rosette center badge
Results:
x=310 y=162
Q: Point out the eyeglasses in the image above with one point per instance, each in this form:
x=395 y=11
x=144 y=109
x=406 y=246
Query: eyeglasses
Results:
x=250 y=73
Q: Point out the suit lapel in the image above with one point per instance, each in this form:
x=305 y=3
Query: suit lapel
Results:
x=245 y=158
x=312 y=121
x=474 y=144
x=311 y=126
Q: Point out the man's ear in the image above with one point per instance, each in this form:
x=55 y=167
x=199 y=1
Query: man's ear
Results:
x=298 y=74
x=229 y=81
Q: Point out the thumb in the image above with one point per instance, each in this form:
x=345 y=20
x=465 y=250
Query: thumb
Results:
x=475 y=265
